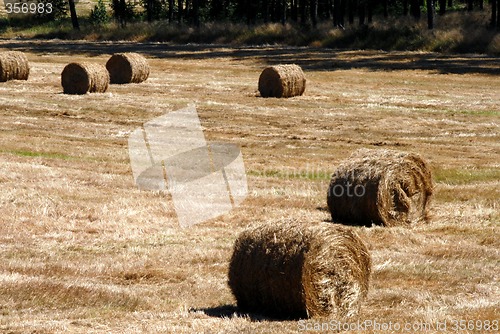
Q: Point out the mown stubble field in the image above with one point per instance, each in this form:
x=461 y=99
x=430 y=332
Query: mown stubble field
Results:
x=84 y=251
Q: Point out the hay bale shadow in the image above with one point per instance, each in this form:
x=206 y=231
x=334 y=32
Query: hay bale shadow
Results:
x=331 y=221
x=232 y=311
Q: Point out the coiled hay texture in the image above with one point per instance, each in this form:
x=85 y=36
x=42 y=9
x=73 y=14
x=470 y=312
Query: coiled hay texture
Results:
x=127 y=68
x=380 y=187
x=282 y=81
x=14 y=65
x=82 y=78
x=295 y=270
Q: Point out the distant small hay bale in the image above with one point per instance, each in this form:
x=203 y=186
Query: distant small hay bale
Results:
x=127 y=68
x=14 y=65
x=296 y=271
x=381 y=187
x=282 y=81
x=82 y=78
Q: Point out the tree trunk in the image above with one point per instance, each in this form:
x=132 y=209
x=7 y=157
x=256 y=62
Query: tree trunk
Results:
x=329 y=10
x=314 y=13
x=493 y=20
x=250 y=11
x=498 y=14
x=405 y=7
x=187 y=11
x=450 y=3
x=415 y=9
x=149 y=10
x=470 y=5
x=386 y=8
x=74 y=17
x=170 y=11
x=265 y=11
x=361 y=12
x=336 y=13
x=342 y=12
x=179 y=11
x=196 y=12
x=216 y=9
x=227 y=4
x=430 y=14
x=302 y=12
x=283 y=12
x=442 y=7
x=122 y=10
x=350 y=9
x=493 y=13
x=369 y=6
x=273 y=5
x=294 y=10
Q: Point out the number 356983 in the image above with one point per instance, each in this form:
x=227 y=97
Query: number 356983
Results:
x=28 y=8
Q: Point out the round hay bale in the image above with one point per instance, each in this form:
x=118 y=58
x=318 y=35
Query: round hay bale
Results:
x=297 y=271
x=82 y=78
x=282 y=81
x=380 y=187
x=14 y=65
x=127 y=68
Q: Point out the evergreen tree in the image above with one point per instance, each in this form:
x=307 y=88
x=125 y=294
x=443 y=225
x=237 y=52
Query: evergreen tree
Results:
x=99 y=16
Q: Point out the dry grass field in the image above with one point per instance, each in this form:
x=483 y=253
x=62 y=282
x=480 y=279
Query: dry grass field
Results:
x=82 y=250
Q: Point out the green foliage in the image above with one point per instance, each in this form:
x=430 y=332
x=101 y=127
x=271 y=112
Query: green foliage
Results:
x=33 y=154
x=457 y=176
x=459 y=31
x=58 y=10
x=153 y=8
x=99 y=16
x=123 y=11
x=384 y=38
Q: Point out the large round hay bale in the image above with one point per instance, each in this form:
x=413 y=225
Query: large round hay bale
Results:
x=82 y=78
x=295 y=270
x=380 y=187
x=282 y=81
x=14 y=65
x=127 y=68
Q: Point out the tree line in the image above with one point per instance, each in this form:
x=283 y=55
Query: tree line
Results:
x=307 y=13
